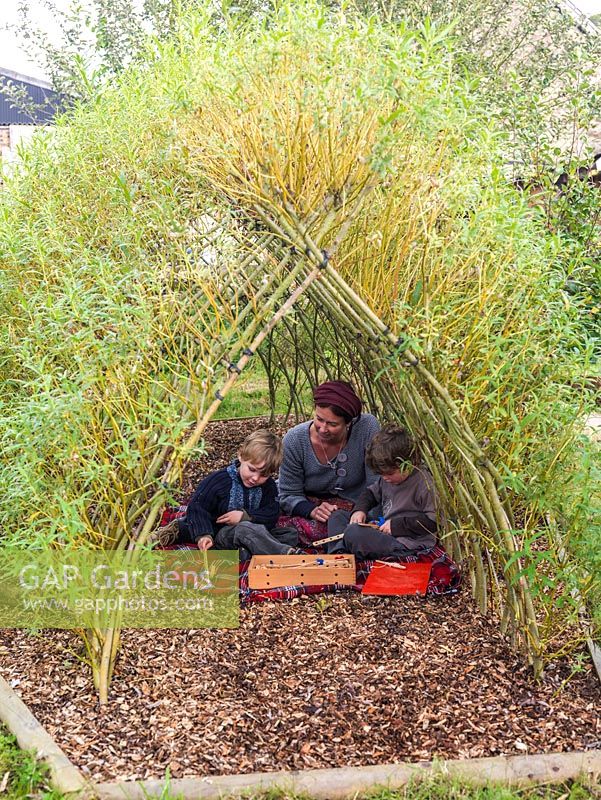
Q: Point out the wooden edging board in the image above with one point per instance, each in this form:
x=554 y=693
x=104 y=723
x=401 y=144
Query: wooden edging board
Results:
x=347 y=782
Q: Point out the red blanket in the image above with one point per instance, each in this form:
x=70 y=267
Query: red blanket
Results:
x=445 y=577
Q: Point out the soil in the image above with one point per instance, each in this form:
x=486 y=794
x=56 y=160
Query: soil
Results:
x=315 y=682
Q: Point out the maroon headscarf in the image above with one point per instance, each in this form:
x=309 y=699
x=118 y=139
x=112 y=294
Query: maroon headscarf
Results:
x=338 y=393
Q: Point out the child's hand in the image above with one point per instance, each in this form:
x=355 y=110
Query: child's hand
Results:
x=205 y=543
x=358 y=516
x=385 y=528
x=230 y=518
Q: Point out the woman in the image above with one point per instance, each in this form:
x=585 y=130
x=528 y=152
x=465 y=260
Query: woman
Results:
x=324 y=460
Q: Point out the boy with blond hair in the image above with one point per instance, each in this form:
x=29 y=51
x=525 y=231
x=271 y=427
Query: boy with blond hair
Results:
x=236 y=508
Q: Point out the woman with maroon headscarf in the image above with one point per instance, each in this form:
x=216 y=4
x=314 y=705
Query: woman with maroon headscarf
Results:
x=324 y=460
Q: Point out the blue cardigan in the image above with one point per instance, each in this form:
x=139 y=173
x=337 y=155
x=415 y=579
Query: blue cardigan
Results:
x=211 y=499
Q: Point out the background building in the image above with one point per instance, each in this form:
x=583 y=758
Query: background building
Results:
x=25 y=104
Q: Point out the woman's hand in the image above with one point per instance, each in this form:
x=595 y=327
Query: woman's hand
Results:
x=385 y=528
x=205 y=543
x=230 y=518
x=358 y=516
x=323 y=512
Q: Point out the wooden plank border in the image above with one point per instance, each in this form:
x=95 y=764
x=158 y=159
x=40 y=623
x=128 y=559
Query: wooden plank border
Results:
x=348 y=782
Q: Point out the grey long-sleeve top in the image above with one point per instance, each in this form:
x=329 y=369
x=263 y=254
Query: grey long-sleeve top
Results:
x=410 y=506
x=301 y=473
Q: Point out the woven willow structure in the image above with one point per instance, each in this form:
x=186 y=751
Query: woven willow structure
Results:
x=263 y=264
x=280 y=195
x=286 y=281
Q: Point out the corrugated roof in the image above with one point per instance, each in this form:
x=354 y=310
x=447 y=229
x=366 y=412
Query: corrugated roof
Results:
x=44 y=101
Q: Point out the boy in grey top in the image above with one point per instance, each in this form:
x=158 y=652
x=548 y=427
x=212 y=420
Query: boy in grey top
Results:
x=406 y=495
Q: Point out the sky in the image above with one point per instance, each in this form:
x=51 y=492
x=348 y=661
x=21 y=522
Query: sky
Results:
x=13 y=57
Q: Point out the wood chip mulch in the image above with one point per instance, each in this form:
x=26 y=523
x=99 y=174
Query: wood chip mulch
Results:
x=340 y=680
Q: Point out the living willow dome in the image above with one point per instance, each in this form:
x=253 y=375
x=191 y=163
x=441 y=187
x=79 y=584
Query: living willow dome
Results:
x=319 y=191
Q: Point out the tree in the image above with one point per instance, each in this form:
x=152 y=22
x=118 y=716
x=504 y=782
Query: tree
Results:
x=533 y=64
x=97 y=38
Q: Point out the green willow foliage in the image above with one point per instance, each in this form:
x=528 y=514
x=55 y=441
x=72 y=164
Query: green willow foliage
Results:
x=533 y=64
x=102 y=370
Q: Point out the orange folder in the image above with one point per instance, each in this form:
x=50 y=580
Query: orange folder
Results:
x=387 y=579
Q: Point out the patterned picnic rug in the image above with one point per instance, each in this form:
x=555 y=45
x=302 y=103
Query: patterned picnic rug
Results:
x=445 y=577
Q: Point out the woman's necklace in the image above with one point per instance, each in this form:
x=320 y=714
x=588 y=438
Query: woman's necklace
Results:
x=332 y=462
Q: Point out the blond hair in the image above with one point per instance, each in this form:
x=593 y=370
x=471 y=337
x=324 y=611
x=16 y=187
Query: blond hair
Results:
x=262 y=447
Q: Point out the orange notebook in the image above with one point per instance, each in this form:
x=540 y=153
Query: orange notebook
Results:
x=388 y=579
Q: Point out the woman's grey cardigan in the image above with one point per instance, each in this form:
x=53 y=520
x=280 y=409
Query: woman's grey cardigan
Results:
x=301 y=474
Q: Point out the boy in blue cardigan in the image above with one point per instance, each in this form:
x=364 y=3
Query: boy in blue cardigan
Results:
x=236 y=508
